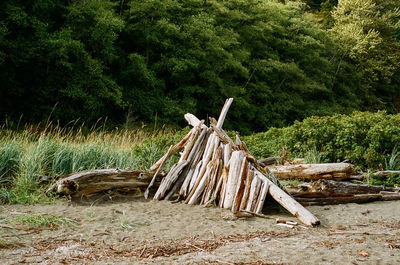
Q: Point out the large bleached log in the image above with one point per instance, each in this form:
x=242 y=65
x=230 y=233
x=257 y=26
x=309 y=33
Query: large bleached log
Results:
x=87 y=183
x=331 y=188
x=288 y=202
x=336 y=171
x=234 y=173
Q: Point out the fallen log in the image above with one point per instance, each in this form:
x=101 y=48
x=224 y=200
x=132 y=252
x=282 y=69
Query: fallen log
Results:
x=87 y=183
x=336 y=171
x=359 y=198
x=331 y=188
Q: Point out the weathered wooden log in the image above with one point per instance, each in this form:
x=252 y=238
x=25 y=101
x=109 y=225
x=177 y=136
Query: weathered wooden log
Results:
x=261 y=197
x=193 y=180
x=193 y=120
x=87 y=183
x=205 y=162
x=224 y=137
x=193 y=157
x=254 y=192
x=313 y=171
x=210 y=149
x=197 y=190
x=331 y=188
x=234 y=172
x=190 y=143
x=190 y=179
x=241 y=187
x=170 y=179
x=224 y=176
x=288 y=202
x=359 y=198
x=224 y=111
x=246 y=194
x=210 y=185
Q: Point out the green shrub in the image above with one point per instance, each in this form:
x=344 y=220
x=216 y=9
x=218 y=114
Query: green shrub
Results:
x=393 y=180
x=365 y=139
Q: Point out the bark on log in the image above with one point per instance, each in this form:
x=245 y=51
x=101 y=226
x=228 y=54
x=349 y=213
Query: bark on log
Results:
x=313 y=171
x=288 y=202
x=87 y=183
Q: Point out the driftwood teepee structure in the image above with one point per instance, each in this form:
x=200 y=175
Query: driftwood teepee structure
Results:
x=213 y=168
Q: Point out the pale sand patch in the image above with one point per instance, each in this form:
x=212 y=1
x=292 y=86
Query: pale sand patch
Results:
x=140 y=232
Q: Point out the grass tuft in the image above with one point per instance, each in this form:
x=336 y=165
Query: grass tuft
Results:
x=44 y=221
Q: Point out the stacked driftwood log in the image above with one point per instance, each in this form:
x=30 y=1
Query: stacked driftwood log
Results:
x=213 y=168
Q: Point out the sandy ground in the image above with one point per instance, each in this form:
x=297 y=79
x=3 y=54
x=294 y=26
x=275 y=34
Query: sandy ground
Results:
x=138 y=232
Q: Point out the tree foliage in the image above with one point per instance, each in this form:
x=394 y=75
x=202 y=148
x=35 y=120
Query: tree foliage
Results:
x=157 y=59
x=367 y=31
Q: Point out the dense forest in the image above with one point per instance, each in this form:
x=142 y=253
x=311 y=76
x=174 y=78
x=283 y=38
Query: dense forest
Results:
x=147 y=60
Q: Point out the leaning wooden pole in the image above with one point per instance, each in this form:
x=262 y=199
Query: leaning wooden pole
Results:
x=288 y=202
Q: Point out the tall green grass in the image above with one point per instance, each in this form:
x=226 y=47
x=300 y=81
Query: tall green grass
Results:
x=369 y=140
x=29 y=154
